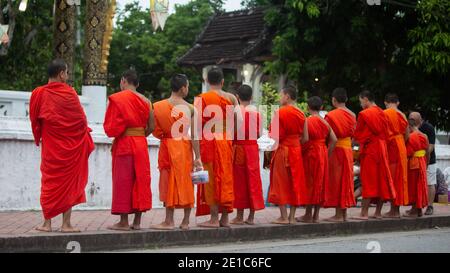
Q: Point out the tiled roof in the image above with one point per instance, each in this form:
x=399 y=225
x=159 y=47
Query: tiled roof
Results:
x=237 y=36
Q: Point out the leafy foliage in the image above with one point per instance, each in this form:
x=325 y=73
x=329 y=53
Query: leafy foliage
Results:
x=25 y=64
x=396 y=47
x=431 y=37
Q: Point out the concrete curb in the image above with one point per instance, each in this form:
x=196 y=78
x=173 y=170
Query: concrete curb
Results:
x=108 y=240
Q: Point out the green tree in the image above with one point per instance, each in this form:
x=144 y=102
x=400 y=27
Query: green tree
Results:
x=30 y=49
x=322 y=45
x=431 y=37
x=154 y=54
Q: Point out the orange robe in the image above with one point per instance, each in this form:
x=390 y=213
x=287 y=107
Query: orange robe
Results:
x=175 y=160
x=339 y=191
x=216 y=154
x=286 y=168
x=58 y=119
x=248 y=193
x=130 y=160
x=372 y=134
x=397 y=155
x=315 y=163
x=417 y=170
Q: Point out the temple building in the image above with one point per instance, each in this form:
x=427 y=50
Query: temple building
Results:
x=239 y=42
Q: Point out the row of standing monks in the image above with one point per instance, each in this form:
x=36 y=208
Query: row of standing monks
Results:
x=311 y=164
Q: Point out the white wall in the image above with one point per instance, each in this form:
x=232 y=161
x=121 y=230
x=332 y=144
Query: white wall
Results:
x=20 y=158
x=20 y=174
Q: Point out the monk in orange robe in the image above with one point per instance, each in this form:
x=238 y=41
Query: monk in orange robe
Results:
x=129 y=120
x=372 y=135
x=216 y=114
x=58 y=119
x=173 y=119
x=315 y=160
x=398 y=134
x=418 y=158
x=289 y=129
x=248 y=193
x=339 y=190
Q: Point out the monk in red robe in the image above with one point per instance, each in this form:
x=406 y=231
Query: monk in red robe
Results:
x=216 y=110
x=315 y=160
x=129 y=120
x=339 y=190
x=372 y=135
x=248 y=193
x=58 y=119
x=173 y=119
x=418 y=158
x=398 y=134
x=289 y=129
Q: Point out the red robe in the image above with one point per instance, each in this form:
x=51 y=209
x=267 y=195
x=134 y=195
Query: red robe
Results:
x=286 y=168
x=397 y=155
x=216 y=154
x=129 y=110
x=372 y=134
x=417 y=170
x=175 y=183
x=339 y=191
x=315 y=162
x=248 y=193
x=58 y=119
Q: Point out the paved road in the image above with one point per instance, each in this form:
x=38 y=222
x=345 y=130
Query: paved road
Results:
x=424 y=241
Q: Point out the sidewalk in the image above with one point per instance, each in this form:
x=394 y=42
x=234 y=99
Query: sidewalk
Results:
x=17 y=230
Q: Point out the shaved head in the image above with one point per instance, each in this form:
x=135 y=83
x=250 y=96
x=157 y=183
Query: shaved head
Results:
x=416 y=117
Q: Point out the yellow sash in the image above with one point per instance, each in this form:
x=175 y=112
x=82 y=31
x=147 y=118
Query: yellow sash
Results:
x=344 y=143
x=414 y=162
x=135 y=132
x=420 y=153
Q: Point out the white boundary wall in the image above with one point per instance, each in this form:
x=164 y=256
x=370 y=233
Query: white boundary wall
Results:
x=20 y=158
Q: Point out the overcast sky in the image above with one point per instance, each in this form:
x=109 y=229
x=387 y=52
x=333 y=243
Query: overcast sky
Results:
x=229 y=6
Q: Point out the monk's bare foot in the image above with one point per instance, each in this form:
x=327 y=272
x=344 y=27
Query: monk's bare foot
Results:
x=410 y=215
x=209 y=224
x=163 y=226
x=360 y=218
x=70 y=229
x=225 y=224
x=250 y=222
x=184 y=226
x=44 y=229
x=420 y=213
x=281 y=221
x=391 y=215
x=377 y=217
x=237 y=221
x=119 y=227
x=335 y=219
x=304 y=219
x=135 y=227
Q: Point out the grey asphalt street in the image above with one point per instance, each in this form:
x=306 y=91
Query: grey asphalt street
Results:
x=424 y=241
